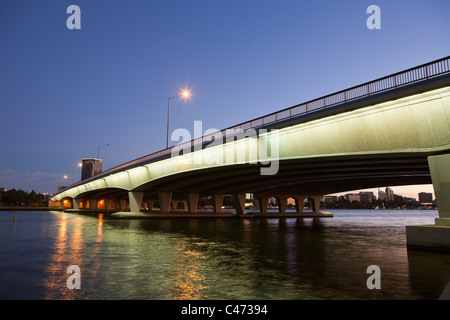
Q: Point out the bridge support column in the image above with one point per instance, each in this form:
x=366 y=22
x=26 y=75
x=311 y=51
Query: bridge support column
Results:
x=299 y=202
x=192 y=202
x=150 y=204
x=107 y=204
x=135 y=199
x=239 y=202
x=164 y=201
x=437 y=236
x=282 y=203
x=263 y=201
x=76 y=204
x=316 y=203
x=92 y=204
x=217 y=202
x=123 y=205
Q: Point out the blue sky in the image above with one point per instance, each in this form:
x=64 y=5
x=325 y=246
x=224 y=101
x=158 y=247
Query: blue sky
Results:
x=64 y=93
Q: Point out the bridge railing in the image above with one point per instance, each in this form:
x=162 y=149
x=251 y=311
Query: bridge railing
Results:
x=391 y=82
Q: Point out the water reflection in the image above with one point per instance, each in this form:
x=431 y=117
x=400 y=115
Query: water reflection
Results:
x=71 y=247
x=217 y=259
x=67 y=251
x=188 y=270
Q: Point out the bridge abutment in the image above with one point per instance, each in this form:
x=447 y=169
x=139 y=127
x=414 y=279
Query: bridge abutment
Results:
x=437 y=236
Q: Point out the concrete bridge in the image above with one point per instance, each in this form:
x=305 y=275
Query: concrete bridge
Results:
x=391 y=131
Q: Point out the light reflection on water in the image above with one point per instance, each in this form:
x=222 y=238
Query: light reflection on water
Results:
x=217 y=259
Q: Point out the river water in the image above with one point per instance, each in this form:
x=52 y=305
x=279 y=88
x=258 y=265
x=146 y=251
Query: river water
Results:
x=235 y=259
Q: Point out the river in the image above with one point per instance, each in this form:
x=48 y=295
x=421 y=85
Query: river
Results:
x=233 y=259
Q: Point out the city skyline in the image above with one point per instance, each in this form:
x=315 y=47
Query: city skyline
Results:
x=66 y=93
x=405 y=191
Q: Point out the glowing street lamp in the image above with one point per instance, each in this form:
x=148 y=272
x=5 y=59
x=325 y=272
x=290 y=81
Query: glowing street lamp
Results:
x=185 y=94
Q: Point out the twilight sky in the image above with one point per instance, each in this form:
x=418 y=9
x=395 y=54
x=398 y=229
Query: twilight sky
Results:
x=64 y=93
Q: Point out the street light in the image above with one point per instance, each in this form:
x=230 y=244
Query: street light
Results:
x=185 y=94
x=98 y=150
x=78 y=165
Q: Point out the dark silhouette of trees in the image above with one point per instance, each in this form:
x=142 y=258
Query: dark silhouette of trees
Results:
x=19 y=197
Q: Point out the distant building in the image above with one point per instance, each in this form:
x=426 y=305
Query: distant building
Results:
x=425 y=197
x=353 y=197
x=90 y=167
x=328 y=199
x=389 y=194
x=366 y=197
x=407 y=200
x=382 y=196
x=398 y=198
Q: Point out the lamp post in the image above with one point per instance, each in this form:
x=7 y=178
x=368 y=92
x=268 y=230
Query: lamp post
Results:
x=98 y=150
x=78 y=165
x=185 y=94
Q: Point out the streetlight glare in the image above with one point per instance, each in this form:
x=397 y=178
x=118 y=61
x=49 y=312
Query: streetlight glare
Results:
x=186 y=93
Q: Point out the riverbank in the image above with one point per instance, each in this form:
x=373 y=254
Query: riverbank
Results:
x=30 y=209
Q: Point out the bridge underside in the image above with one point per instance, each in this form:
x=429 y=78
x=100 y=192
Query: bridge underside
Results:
x=316 y=176
x=296 y=178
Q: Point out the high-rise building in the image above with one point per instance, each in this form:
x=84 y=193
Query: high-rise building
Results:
x=389 y=194
x=425 y=197
x=381 y=195
x=90 y=167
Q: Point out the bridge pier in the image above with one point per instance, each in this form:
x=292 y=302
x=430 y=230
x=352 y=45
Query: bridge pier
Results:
x=192 y=202
x=165 y=199
x=282 y=202
x=217 y=202
x=437 y=236
x=299 y=202
x=239 y=202
x=263 y=201
x=316 y=203
x=151 y=203
x=76 y=204
x=135 y=199
x=92 y=204
x=123 y=204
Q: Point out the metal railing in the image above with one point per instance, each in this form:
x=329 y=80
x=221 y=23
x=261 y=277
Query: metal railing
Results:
x=417 y=74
